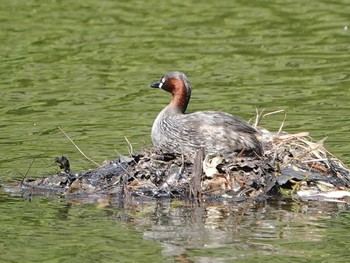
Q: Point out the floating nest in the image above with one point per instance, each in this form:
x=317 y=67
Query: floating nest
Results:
x=293 y=166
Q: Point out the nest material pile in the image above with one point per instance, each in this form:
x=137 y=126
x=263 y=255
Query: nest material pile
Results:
x=292 y=166
x=306 y=170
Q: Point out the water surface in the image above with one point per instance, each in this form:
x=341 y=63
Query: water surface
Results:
x=85 y=66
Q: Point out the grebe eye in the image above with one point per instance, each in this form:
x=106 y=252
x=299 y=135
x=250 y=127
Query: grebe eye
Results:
x=162 y=80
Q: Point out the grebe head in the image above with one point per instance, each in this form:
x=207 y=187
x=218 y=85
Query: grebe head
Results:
x=178 y=85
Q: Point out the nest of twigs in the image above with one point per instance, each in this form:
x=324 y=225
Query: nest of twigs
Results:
x=292 y=166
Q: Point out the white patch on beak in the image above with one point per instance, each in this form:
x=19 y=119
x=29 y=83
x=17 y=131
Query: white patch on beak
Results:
x=161 y=83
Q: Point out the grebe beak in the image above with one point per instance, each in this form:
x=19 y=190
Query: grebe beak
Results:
x=157 y=84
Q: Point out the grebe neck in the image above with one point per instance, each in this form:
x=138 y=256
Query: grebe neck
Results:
x=181 y=94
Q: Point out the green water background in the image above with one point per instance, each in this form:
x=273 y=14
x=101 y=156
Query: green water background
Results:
x=85 y=66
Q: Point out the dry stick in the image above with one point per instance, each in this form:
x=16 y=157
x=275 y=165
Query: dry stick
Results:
x=30 y=166
x=271 y=113
x=258 y=117
x=77 y=147
x=282 y=124
x=289 y=137
x=130 y=146
x=195 y=181
x=118 y=153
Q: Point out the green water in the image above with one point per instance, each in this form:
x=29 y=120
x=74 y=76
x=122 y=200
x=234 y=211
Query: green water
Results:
x=85 y=66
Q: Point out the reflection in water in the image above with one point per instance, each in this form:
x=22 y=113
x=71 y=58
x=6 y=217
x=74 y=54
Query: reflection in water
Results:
x=85 y=65
x=226 y=230
x=243 y=227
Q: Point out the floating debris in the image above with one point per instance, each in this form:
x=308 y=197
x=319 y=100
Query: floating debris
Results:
x=339 y=196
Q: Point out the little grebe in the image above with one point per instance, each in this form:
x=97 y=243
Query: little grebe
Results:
x=217 y=132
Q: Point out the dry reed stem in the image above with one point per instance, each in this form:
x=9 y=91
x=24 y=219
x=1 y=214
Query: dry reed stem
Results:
x=304 y=150
x=285 y=137
x=260 y=116
x=282 y=124
x=76 y=146
x=272 y=112
x=257 y=117
x=130 y=149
